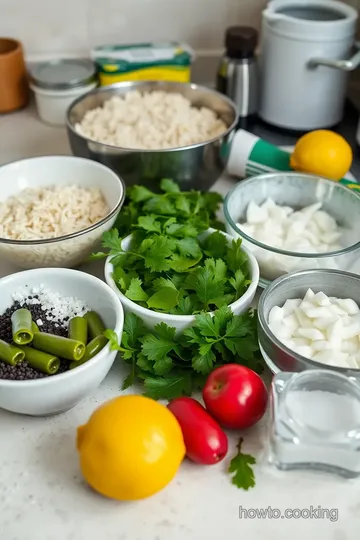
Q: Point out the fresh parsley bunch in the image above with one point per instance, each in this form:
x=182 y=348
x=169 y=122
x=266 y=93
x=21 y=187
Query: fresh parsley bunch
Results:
x=194 y=210
x=168 y=267
x=171 y=365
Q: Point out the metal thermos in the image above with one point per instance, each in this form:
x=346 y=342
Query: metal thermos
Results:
x=238 y=73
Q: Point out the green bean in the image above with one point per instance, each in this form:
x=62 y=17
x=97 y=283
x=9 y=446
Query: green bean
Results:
x=92 y=349
x=9 y=354
x=95 y=325
x=78 y=329
x=59 y=346
x=21 y=323
x=34 y=327
x=46 y=363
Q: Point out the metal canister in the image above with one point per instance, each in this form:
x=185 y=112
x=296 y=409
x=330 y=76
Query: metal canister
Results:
x=238 y=73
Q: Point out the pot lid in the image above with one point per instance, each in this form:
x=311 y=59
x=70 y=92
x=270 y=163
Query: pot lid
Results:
x=63 y=74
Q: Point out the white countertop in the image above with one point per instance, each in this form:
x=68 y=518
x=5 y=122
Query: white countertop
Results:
x=42 y=495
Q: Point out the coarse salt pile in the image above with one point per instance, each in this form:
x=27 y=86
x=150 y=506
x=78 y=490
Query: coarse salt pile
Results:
x=309 y=230
x=35 y=214
x=56 y=308
x=322 y=328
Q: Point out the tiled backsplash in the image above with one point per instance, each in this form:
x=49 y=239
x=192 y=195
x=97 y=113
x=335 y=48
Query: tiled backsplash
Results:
x=68 y=27
x=58 y=26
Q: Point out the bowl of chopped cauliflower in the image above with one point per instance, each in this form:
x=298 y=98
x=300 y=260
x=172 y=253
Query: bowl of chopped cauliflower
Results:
x=54 y=210
x=153 y=130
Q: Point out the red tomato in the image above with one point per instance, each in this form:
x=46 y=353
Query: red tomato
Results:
x=205 y=441
x=236 y=396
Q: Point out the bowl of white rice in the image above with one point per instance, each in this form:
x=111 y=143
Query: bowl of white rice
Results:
x=149 y=130
x=54 y=210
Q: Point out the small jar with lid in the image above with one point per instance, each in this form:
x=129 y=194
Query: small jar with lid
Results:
x=56 y=84
x=237 y=76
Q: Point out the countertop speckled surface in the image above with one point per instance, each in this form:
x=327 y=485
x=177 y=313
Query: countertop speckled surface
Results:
x=42 y=495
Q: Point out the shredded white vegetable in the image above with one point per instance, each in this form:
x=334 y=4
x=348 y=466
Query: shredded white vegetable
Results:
x=152 y=121
x=50 y=212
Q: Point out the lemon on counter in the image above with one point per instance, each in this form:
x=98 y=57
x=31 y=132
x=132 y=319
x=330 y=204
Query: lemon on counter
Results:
x=131 y=448
x=324 y=153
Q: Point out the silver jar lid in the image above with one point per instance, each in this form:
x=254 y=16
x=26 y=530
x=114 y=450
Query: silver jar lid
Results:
x=63 y=74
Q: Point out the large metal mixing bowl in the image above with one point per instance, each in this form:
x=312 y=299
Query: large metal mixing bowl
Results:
x=194 y=167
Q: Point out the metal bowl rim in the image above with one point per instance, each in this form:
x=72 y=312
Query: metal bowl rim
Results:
x=265 y=325
x=266 y=247
x=75 y=234
x=136 y=84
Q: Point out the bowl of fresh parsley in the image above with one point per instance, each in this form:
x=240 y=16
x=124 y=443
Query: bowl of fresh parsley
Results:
x=186 y=288
x=166 y=273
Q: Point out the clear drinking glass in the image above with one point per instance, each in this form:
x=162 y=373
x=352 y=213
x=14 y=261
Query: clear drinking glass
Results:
x=315 y=422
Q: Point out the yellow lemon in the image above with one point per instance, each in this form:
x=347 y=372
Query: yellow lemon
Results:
x=324 y=153
x=131 y=448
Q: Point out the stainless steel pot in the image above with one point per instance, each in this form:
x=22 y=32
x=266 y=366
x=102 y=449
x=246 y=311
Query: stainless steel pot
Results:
x=194 y=167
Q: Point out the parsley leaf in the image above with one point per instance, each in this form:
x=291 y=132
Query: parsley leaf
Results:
x=112 y=241
x=179 y=263
x=163 y=365
x=240 y=283
x=207 y=325
x=149 y=224
x=183 y=205
x=210 y=281
x=164 y=299
x=189 y=247
x=139 y=194
x=185 y=306
x=156 y=254
x=169 y=186
x=181 y=230
x=215 y=245
x=135 y=292
x=160 y=205
x=168 y=387
x=235 y=257
x=222 y=316
x=204 y=362
x=161 y=282
x=156 y=346
x=144 y=363
x=134 y=329
x=241 y=466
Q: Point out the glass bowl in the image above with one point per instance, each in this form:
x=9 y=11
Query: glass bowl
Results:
x=276 y=354
x=45 y=171
x=296 y=190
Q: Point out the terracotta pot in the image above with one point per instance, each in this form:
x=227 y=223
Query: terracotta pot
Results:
x=14 y=89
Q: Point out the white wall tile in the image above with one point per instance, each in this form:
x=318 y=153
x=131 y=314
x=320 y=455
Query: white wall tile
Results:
x=71 y=26
x=45 y=26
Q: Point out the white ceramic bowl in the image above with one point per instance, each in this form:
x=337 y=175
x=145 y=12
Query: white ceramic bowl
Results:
x=58 y=393
x=181 y=322
x=45 y=171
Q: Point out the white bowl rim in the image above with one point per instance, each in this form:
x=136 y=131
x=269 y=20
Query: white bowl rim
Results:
x=137 y=85
x=92 y=227
x=63 y=377
x=266 y=247
x=250 y=291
